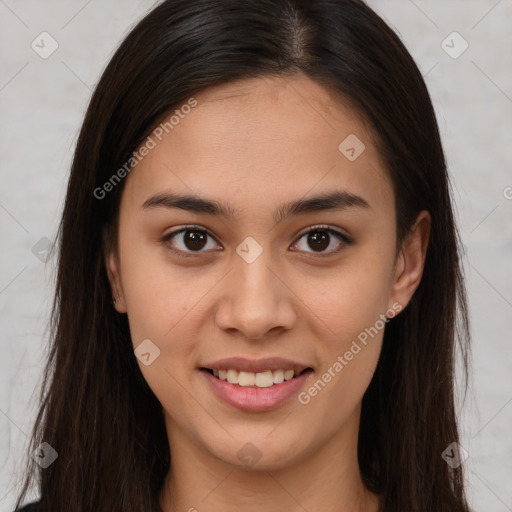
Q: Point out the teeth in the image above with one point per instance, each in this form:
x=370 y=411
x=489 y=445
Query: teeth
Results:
x=278 y=376
x=244 y=378
x=232 y=376
x=288 y=374
x=264 y=379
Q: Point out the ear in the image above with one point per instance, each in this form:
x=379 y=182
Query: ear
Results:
x=112 y=265
x=411 y=261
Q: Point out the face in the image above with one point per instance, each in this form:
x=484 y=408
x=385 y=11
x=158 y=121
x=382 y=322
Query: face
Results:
x=282 y=259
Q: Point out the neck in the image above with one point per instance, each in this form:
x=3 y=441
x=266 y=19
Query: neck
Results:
x=326 y=479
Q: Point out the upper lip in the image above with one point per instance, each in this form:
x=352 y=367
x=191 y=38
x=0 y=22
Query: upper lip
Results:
x=256 y=365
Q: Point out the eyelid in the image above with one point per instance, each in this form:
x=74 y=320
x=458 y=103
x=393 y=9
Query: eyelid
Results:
x=329 y=229
x=187 y=228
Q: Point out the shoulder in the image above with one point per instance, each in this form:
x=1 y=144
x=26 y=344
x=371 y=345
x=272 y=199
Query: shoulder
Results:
x=31 y=507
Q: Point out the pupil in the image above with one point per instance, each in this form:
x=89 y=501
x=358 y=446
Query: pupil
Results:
x=319 y=242
x=194 y=239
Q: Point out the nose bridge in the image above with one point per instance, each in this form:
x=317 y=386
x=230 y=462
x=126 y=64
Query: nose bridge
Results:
x=252 y=262
x=255 y=301
x=255 y=281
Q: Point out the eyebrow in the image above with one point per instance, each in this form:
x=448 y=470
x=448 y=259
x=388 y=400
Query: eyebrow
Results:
x=336 y=200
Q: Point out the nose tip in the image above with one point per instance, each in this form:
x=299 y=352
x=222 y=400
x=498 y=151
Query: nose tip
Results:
x=255 y=303
x=262 y=333
x=255 y=325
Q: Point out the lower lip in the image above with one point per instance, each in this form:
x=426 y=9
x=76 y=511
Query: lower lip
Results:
x=255 y=399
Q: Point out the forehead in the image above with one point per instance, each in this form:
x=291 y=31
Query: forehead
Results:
x=264 y=137
x=280 y=107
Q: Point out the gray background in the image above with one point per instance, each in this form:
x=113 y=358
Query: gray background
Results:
x=42 y=102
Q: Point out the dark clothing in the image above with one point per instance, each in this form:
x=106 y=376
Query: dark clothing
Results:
x=31 y=507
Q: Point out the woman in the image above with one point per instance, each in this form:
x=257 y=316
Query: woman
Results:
x=259 y=292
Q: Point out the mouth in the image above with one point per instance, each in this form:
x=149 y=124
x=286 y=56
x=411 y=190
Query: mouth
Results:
x=262 y=379
x=255 y=385
x=256 y=392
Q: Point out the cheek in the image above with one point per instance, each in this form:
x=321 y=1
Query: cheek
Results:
x=166 y=305
x=350 y=353
x=161 y=302
x=351 y=305
x=352 y=298
x=159 y=295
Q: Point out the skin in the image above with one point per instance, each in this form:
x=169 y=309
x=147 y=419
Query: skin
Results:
x=254 y=145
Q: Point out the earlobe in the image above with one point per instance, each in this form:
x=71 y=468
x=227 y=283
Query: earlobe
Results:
x=115 y=283
x=411 y=260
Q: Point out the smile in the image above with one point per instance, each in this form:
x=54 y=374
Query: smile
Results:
x=264 y=379
x=256 y=391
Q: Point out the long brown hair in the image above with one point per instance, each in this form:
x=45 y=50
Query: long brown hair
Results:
x=97 y=410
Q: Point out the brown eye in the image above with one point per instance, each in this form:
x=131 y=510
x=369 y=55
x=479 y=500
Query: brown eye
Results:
x=194 y=240
x=319 y=239
x=189 y=240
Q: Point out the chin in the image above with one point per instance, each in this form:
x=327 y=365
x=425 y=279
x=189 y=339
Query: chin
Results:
x=259 y=453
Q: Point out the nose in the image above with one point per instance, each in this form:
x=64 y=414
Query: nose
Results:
x=255 y=300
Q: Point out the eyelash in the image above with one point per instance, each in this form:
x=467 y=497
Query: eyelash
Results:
x=340 y=236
